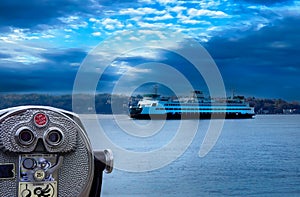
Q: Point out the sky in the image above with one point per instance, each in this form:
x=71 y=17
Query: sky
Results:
x=254 y=44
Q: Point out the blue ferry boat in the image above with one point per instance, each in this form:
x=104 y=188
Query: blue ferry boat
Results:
x=153 y=106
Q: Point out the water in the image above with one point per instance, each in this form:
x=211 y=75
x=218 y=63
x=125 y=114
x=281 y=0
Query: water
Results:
x=252 y=157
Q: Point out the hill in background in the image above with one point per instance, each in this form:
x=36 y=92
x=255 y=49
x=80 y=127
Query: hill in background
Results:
x=103 y=103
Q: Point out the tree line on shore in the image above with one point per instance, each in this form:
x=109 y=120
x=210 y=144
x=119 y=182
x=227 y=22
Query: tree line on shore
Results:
x=273 y=106
x=104 y=102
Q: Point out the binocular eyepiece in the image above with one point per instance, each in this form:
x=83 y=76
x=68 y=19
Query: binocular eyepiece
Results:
x=52 y=137
x=45 y=152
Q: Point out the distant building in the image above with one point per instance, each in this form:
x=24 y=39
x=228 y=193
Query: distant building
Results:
x=289 y=111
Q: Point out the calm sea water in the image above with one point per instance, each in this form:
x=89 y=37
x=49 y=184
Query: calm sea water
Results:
x=252 y=157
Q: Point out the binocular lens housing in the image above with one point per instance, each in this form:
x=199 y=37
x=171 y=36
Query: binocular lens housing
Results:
x=25 y=136
x=54 y=137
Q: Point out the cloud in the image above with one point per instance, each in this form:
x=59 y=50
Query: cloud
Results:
x=265 y=2
x=18 y=51
x=96 y=33
x=28 y=14
x=36 y=81
x=268 y=58
x=4 y=56
x=55 y=74
x=176 y=9
x=192 y=12
x=205 y=4
x=40 y=15
x=124 y=67
x=64 y=57
x=112 y=24
x=141 y=11
x=159 y=18
x=164 y=2
x=187 y=20
x=73 y=22
x=146 y=1
x=268 y=40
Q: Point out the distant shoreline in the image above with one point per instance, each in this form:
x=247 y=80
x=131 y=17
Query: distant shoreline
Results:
x=103 y=103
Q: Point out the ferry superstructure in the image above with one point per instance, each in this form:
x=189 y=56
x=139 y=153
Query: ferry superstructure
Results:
x=152 y=106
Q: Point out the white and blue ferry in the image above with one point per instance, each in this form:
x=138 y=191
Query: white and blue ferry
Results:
x=153 y=106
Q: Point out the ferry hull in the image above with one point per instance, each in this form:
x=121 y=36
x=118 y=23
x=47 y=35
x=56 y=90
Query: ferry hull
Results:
x=176 y=116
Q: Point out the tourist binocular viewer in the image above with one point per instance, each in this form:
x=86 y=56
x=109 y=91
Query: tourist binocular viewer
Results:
x=45 y=152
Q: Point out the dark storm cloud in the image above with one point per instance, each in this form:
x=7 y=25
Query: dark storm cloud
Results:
x=272 y=44
x=112 y=74
x=67 y=57
x=36 y=13
x=56 y=74
x=26 y=14
x=264 y=62
x=13 y=80
x=2 y=55
x=32 y=13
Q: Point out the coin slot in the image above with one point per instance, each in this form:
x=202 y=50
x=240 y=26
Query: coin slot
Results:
x=29 y=163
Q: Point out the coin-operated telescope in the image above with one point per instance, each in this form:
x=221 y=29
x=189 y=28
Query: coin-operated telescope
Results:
x=45 y=152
